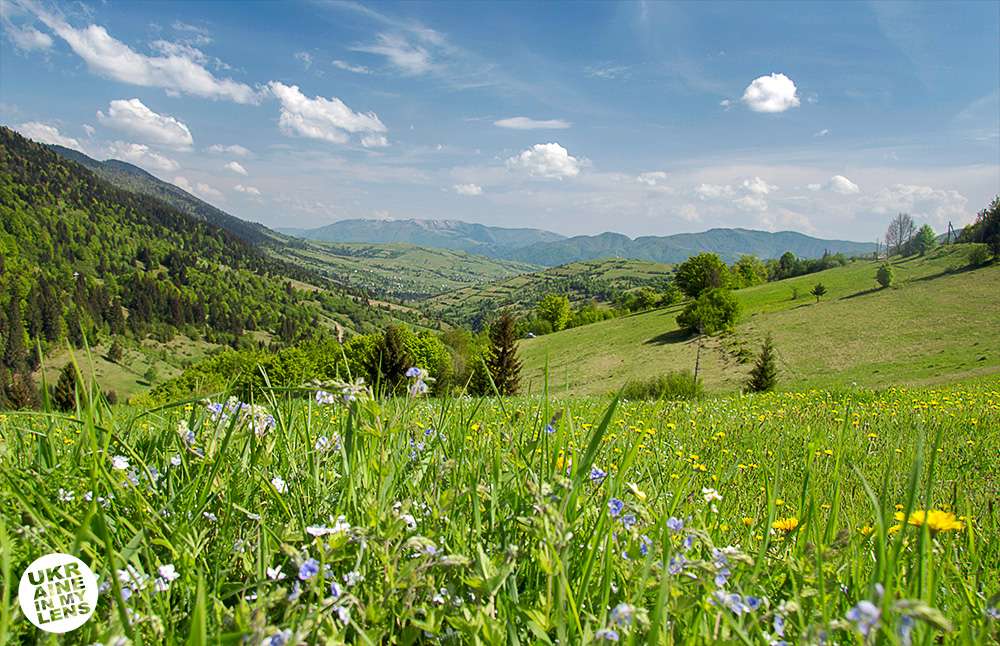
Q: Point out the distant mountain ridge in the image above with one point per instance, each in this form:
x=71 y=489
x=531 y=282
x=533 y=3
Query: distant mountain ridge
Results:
x=550 y=249
x=132 y=178
x=447 y=234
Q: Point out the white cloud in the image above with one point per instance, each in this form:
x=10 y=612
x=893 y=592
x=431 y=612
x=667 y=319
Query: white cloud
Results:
x=401 y=54
x=842 y=185
x=134 y=118
x=526 y=123
x=726 y=104
x=468 y=189
x=713 y=191
x=321 y=118
x=773 y=93
x=234 y=149
x=757 y=186
x=141 y=155
x=347 y=67
x=751 y=202
x=248 y=190
x=89 y=129
x=176 y=71
x=46 y=134
x=922 y=202
x=608 y=71
x=200 y=189
x=374 y=141
x=305 y=58
x=822 y=133
x=237 y=168
x=652 y=178
x=26 y=38
x=546 y=160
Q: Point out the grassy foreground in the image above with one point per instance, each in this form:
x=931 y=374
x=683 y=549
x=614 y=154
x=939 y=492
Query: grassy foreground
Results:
x=784 y=518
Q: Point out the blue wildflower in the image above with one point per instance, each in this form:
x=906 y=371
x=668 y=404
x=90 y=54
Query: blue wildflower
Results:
x=753 y=602
x=309 y=569
x=864 y=616
x=677 y=564
x=628 y=520
x=414 y=372
x=644 y=543
x=675 y=524
x=905 y=630
x=615 y=507
x=550 y=429
x=622 y=614
x=597 y=475
x=606 y=634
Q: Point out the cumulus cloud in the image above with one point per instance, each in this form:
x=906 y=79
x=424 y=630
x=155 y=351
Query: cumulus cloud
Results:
x=726 y=104
x=922 y=202
x=141 y=155
x=546 y=160
x=234 y=149
x=46 y=134
x=347 y=67
x=321 y=118
x=200 y=189
x=651 y=178
x=842 y=185
x=374 y=141
x=177 y=70
x=237 y=168
x=405 y=56
x=757 y=186
x=773 y=93
x=526 y=123
x=713 y=191
x=468 y=189
x=133 y=117
x=248 y=190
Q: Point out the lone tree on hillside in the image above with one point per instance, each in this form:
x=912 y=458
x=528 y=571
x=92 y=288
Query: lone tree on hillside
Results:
x=764 y=375
x=701 y=273
x=554 y=309
x=64 y=393
x=885 y=275
x=899 y=233
x=925 y=240
x=818 y=291
x=502 y=361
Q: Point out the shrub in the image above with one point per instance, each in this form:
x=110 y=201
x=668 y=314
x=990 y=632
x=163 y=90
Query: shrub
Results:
x=673 y=385
x=714 y=311
x=979 y=256
x=554 y=309
x=818 y=291
x=885 y=275
x=700 y=273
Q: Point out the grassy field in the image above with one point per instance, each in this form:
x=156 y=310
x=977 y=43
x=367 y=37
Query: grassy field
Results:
x=578 y=280
x=938 y=323
x=400 y=271
x=790 y=518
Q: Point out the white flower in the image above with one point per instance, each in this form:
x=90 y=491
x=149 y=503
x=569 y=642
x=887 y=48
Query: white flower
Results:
x=353 y=578
x=175 y=461
x=279 y=484
x=209 y=515
x=119 y=462
x=410 y=521
x=275 y=574
x=168 y=572
x=711 y=494
x=65 y=496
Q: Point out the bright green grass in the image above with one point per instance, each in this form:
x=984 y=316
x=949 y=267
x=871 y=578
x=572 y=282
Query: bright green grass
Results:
x=490 y=530
x=938 y=324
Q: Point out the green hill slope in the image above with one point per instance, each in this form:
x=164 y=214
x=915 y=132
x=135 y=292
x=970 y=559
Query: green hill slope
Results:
x=594 y=279
x=399 y=271
x=940 y=322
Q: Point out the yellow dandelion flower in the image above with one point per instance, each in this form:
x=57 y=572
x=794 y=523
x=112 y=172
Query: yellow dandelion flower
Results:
x=786 y=525
x=747 y=521
x=935 y=519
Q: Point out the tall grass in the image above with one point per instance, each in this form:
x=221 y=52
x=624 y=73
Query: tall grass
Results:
x=517 y=520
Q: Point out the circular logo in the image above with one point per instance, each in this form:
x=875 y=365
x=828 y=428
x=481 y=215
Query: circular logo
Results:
x=58 y=593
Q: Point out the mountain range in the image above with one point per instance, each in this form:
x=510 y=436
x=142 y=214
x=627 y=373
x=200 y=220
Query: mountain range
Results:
x=540 y=247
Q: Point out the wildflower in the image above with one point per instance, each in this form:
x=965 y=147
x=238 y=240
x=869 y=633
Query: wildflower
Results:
x=65 y=496
x=325 y=398
x=623 y=614
x=935 y=519
x=119 y=462
x=418 y=387
x=606 y=634
x=409 y=521
x=677 y=564
x=864 y=616
x=730 y=600
x=550 y=429
x=415 y=373
x=597 y=475
x=644 y=543
x=210 y=516
x=711 y=495
x=675 y=524
x=353 y=578
x=905 y=630
x=747 y=521
x=786 y=525
x=278 y=639
x=335 y=590
x=279 y=484
x=175 y=461
x=308 y=569
x=344 y=614
x=296 y=591
x=615 y=507
x=275 y=574
x=628 y=520
x=168 y=572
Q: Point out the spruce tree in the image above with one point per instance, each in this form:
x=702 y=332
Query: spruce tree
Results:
x=64 y=392
x=764 y=375
x=502 y=361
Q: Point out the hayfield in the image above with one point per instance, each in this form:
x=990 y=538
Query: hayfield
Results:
x=842 y=517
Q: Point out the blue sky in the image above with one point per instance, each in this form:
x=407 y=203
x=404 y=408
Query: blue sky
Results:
x=642 y=118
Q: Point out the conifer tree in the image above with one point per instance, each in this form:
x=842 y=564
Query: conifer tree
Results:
x=502 y=361
x=64 y=392
x=764 y=375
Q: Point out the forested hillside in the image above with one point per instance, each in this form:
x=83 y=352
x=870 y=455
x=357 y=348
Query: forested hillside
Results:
x=84 y=261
